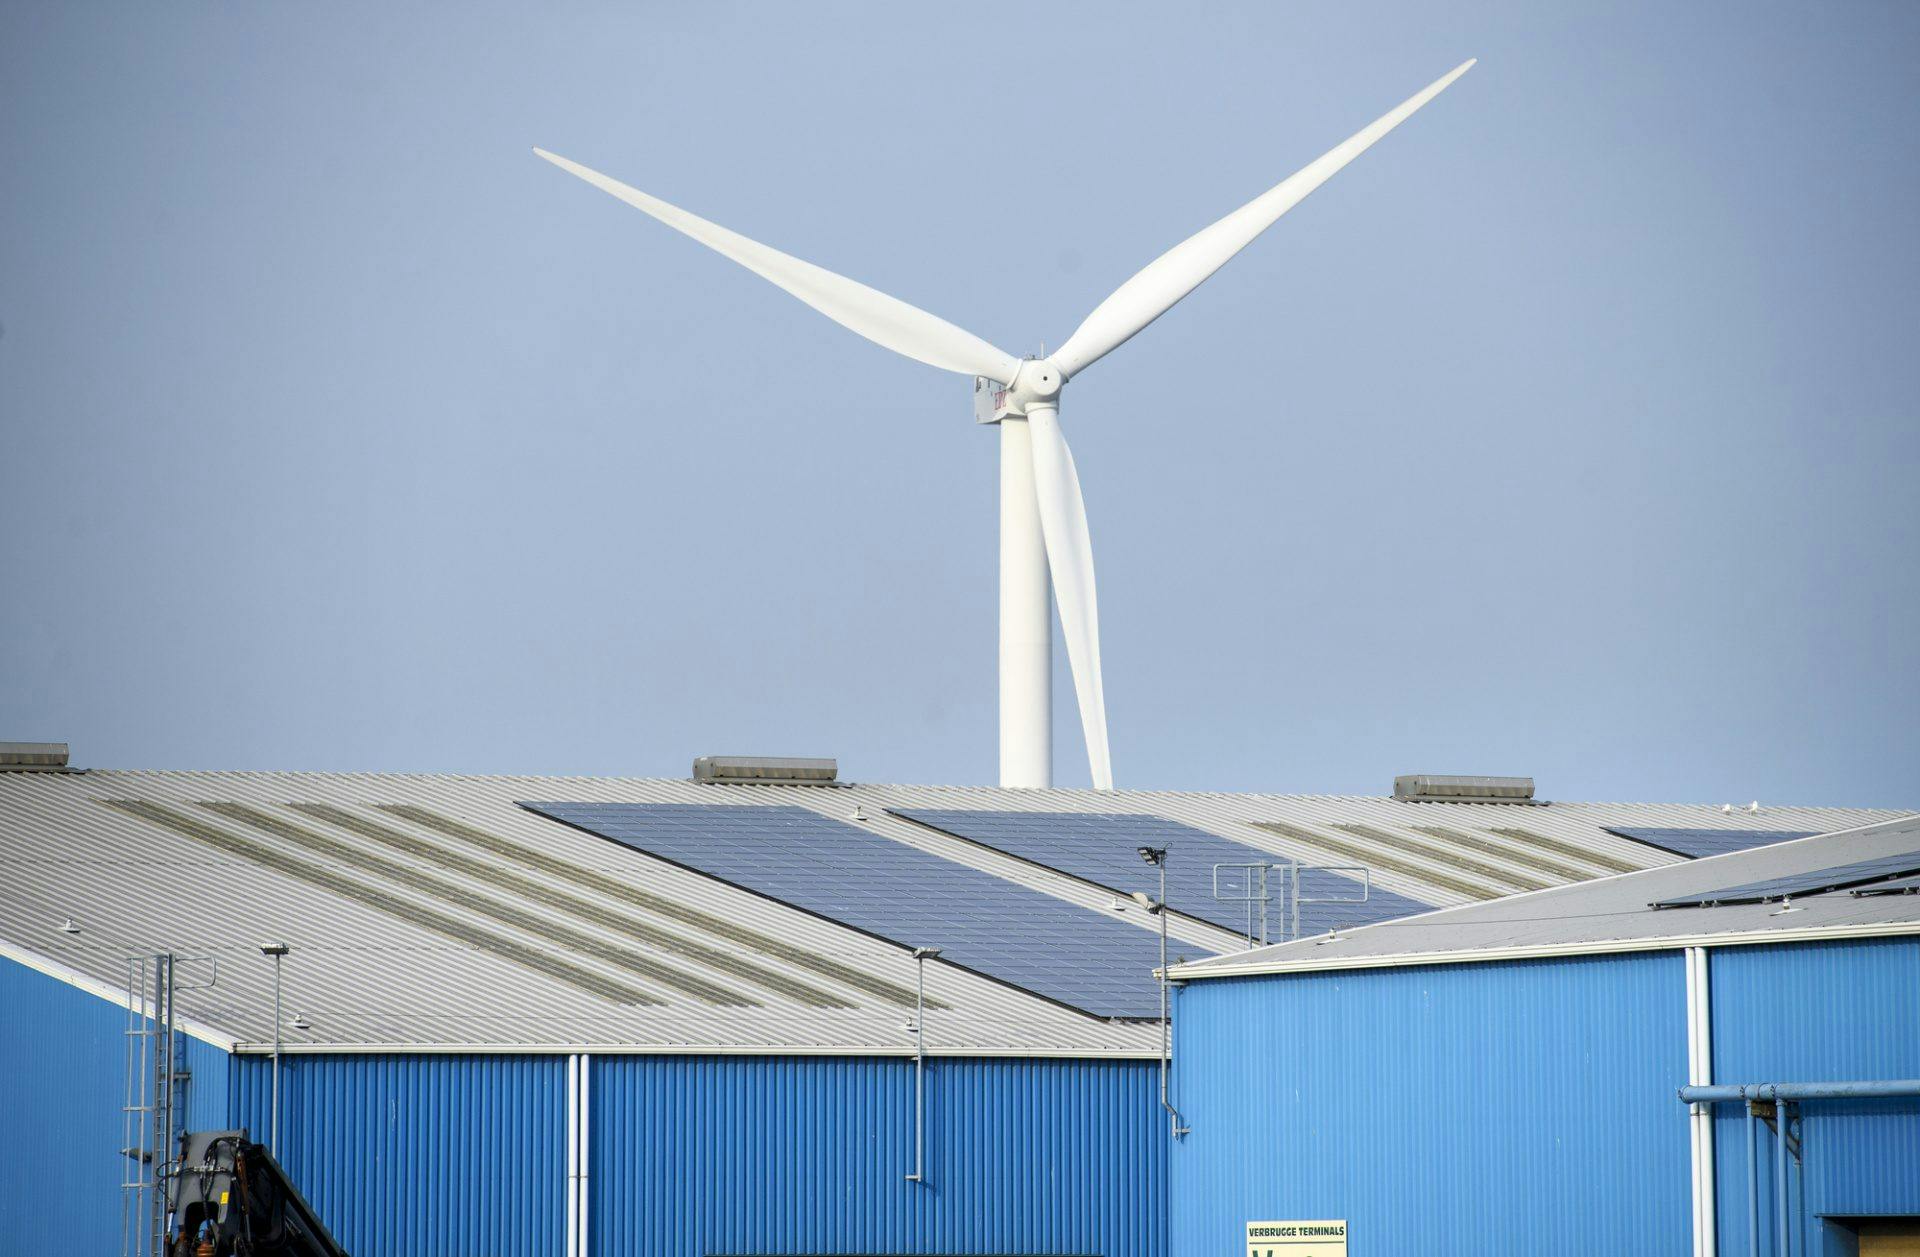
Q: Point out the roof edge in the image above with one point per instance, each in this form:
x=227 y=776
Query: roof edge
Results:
x=1547 y=951
x=106 y=991
x=250 y=1048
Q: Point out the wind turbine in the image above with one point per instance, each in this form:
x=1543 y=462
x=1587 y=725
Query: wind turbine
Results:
x=1043 y=521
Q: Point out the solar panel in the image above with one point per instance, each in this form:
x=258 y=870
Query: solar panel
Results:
x=1705 y=842
x=1899 y=886
x=996 y=928
x=1800 y=885
x=1103 y=848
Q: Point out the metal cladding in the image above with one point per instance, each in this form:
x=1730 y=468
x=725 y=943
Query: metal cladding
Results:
x=421 y=1154
x=1819 y=1012
x=1506 y=1108
x=1022 y=1157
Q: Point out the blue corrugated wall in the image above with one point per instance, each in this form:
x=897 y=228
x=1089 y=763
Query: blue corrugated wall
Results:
x=421 y=1156
x=1819 y=1012
x=1466 y=1109
x=695 y=1156
x=62 y=1072
x=452 y=1156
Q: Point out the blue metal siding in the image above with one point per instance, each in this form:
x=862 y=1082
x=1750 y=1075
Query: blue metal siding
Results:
x=63 y=1069
x=1516 y=1108
x=1820 y=1012
x=716 y=1155
x=421 y=1156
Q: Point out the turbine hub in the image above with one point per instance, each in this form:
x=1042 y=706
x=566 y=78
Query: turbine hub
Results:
x=1037 y=383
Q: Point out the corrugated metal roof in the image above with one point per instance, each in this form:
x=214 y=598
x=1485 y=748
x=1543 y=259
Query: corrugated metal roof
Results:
x=1619 y=914
x=413 y=903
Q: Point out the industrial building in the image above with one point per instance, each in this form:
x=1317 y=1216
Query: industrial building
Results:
x=760 y=1010
x=1508 y=1077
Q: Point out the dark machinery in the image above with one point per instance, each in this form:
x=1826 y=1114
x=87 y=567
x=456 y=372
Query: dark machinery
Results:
x=232 y=1199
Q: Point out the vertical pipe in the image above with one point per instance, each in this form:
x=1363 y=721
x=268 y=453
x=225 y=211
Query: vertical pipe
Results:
x=1700 y=1116
x=1753 y=1184
x=1026 y=619
x=919 y=1067
x=573 y=1156
x=273 y=1138
x=1785 y=1242
x=1166 y=1037
x=1166 y=1021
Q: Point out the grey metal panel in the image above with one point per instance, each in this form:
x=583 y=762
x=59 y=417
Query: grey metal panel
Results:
x=1103 y=848
x=1704 y=842
x=860 y=879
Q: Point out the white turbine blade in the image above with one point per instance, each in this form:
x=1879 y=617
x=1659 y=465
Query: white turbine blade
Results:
x=1063 y=521
x=1183 y=268
x=886 y=321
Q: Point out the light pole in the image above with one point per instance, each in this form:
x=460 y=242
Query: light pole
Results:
x=921 y=955
x=279 y=951
x=1157 y=856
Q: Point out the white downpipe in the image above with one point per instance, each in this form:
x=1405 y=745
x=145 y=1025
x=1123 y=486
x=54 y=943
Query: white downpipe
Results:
x=1026 y=619
x=1700 y=1116
x=573 y=1156
x=585 y=1124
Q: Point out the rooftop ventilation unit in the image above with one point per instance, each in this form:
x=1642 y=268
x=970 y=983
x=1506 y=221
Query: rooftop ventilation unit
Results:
x=33 y=757
x=764 y=770
x=1429 y=788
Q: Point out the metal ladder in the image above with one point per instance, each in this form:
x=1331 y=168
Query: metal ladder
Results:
x=152 y=1100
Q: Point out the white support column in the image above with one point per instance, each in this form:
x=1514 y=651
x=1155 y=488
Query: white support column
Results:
x=1026 y=619
x=1700 y=1116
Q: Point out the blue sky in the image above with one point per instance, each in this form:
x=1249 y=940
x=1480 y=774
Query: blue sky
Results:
x=1572 y=431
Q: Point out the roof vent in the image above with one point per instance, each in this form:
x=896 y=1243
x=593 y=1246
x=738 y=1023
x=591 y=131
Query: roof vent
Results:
x=764 y=770
x=1429 y=788
x=33 y=757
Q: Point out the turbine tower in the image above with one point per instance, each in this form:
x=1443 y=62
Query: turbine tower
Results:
x=1043 y=520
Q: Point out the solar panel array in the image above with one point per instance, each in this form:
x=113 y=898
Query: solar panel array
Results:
x=1799 y=885
x=996 y=928
x=1698 y=843
x=1103 y=848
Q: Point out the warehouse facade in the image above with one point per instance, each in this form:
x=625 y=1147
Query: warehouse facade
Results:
x=1506 y=1077
x=583 y=1016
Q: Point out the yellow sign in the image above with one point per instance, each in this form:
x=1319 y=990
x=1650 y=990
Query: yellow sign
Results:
x=1297 y=1239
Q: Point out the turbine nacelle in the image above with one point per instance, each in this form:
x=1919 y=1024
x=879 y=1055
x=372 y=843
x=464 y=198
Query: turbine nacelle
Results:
x=1036 y=382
